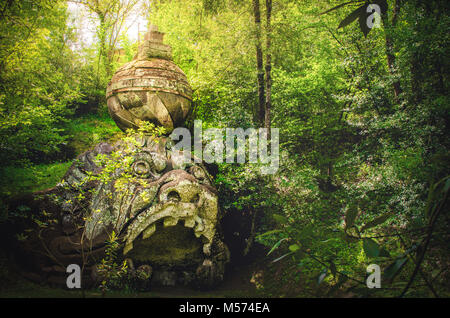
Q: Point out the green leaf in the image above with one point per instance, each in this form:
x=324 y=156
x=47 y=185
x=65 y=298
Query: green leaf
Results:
x=447 y=185
x=280 y=218
x=350 y=216
x=294 y=248
x=377 y=221
x=268 y=233
x=281 y=257
x=371 y=248
x=393 y=269
x=277 y=244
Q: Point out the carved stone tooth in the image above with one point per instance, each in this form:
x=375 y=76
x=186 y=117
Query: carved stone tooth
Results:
x=149 y=231
x=189 y=222
x=128 y=247
x=200 y=226
x=170 y=221
x=207 y=249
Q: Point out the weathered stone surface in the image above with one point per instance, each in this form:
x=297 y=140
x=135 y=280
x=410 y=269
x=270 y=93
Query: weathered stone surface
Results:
x=164 y=211
x=167 y=218
x=150 y=88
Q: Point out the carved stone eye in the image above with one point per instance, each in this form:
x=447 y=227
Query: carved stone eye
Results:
x=199 y=174
x=148 y=165
x=159 y=162
x=141 y=168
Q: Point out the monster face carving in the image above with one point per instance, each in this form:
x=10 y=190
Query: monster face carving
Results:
x=160 y=188
x=164 y=210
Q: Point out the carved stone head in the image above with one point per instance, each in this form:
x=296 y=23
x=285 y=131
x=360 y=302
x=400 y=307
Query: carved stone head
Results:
x=164 y=211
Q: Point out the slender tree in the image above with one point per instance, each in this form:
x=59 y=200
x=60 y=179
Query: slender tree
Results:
x=390 y=55
x=111 y=16
x=268 y=103
x=259 y=64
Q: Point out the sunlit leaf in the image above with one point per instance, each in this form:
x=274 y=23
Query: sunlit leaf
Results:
x=376 y=221
x=277 y=244
x=268 y=233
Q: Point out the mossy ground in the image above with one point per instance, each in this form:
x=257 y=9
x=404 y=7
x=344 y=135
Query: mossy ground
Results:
x=83 y=132
x=19 y=180
x=89 y=130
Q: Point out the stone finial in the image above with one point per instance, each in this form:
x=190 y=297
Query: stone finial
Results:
x=153 y=35
x=153 y=45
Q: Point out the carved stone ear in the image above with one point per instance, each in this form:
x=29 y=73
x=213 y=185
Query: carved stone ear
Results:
x=85 y=163
x=100 y=217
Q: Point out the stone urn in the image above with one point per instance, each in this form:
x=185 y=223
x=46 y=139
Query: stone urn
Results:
x=151 y=87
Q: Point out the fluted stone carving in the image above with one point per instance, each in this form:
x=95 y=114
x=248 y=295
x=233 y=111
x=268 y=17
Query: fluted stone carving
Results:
x=150 y=87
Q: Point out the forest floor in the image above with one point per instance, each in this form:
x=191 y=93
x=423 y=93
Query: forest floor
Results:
x=256 y=276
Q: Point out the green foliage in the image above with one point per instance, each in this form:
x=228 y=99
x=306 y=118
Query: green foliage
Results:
x=38 y=86
x=364 y=164
x=86 y=131
x=16 y=180
x=112 y=274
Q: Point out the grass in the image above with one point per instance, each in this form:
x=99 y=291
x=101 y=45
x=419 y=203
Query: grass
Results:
x=89 y=130
x=84 y=133
x=17 y=180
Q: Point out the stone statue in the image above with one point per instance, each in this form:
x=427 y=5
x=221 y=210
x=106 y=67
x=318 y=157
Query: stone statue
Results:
x=163 y=209
x=150 y=88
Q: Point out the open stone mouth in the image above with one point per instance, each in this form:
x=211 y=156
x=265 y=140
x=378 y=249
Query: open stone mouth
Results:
x=166 y=191
x=171 y=213
x=185 y=202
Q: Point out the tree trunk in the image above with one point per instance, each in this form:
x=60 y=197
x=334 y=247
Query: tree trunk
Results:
x=102 y=41
x=390 y=47
x=259 y=62
x=268 y=104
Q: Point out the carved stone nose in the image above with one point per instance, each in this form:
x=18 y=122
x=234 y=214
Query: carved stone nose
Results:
x=183 y=191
